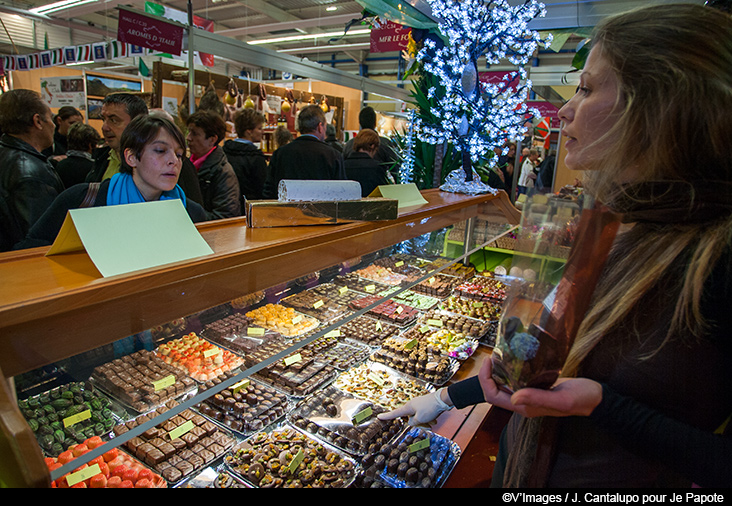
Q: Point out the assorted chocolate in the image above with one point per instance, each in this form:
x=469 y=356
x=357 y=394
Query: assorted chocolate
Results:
x=287 y=458
x=368 y=330
x=179 y=446
x=416 y=358
x=389 y=311
x=142 y=380
x=344 y=421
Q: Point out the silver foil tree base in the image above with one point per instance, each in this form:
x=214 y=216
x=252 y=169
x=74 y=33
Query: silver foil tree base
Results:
x=456 y=183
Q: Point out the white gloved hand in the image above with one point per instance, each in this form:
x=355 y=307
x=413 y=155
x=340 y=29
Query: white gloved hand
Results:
x=420 y=410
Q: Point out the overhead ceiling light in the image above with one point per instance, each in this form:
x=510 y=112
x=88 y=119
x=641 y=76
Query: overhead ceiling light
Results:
x=59 y=6
x=311 y=36
x=331 y=8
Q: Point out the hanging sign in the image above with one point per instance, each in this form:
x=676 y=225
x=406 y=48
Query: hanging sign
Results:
x=391 y=37
x=155 y=34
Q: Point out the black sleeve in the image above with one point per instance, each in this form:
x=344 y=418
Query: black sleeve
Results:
x=269 y=191
x=466 y=393
x=703 y=457
x=46 y=228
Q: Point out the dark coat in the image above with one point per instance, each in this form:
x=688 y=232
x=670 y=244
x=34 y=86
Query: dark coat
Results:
x=74 y=168
x=250 y=167
x=45 y=230
x=386 y=154
x=367 y=171
x=304 y=158
x=28 y=186
x=188 y=179
x=219 y=187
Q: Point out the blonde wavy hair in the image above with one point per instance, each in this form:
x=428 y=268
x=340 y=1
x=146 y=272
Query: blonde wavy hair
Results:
x=674 y=68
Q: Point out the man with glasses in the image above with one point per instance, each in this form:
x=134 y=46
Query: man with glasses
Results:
x=28 y=182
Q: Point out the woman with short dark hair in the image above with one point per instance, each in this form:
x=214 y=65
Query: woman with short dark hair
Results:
x=152 y=151
x=219 y=185
x=361 y=165
x=82 y=139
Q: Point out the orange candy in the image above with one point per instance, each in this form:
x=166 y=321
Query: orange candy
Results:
x=98 y=481
x=114 y=482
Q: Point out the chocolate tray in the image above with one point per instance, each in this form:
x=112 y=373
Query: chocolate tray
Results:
x=275 y=450
x=380 y=384
x=344 y=421
x=402 y=465
x=214 y=477
x=450 y=343
x=397 y=353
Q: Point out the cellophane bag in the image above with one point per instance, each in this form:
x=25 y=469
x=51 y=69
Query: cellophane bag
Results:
x=548 y=298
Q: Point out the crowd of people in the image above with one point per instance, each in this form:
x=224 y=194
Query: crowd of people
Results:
x=50 y=163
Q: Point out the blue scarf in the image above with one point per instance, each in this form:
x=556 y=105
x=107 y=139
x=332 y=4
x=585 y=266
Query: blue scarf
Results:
x=122 y=190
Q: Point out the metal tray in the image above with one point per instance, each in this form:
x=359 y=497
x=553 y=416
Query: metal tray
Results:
x=273 y=446
x=402 y=363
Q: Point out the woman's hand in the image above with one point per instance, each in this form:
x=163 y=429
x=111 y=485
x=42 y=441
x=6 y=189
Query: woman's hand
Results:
x=567 y=397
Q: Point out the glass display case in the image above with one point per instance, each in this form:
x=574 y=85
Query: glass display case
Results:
x=178 y=375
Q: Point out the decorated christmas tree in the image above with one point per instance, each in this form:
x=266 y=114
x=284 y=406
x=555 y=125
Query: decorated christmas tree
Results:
x=473 y=116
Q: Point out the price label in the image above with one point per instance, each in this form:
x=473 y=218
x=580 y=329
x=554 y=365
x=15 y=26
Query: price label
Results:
x=477 y=304
x=376 y=379
x=411 y=344
x=419 y=445
x=181 y=429
x=399 y=309
x=370 y=288
x=379 y=328
x=296 y=461
x=318 y=304
x=78 y=417
x=362 y=415
x=293 y=359
x=297 y=319
x=342 y=290
x=435 y=323
x=164 y=382
x=255 y=331
x=240 y=386
x=82 y=475
x=432 y=280
x=399 y=263
x=424 y=328
x=211 y=352
x=333 y=333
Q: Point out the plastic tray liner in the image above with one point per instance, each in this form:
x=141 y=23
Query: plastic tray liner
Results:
x=381 y=385
x=246 y=408
x=214 y=477
x=348 y=423
x=50 y=414
x=286 y=457
x=401 y=465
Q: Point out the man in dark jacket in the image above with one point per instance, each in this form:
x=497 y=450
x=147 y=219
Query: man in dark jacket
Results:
x=248 y=160
x=118 y=109
x=28 y=182
x=307 y=157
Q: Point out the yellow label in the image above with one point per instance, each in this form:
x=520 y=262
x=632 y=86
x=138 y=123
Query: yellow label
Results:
x=399 y=263
x=379 y=328
x=297 y=319
x=432 y=280
x=255 y=331
x=82 y=475
x=296 y=461
x=376 y=378
x=477 y=304
x=343 y=290
x=211 y=352
x=164 y=382
x=293 y=359
x=424 y=328
x=362 y=415
x=399 y=310
x=78 y=417
x=181 y=429
x=318 y=304
x=370 y=288
x=240 y=386
x=333 y=333
x=435 y=323
x=419 y=445
x=411 y=344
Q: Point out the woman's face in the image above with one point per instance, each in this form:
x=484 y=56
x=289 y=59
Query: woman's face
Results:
x=158 y=167
x=197 y=141
x=590 y=113
x=255 y=134
x=65 y=124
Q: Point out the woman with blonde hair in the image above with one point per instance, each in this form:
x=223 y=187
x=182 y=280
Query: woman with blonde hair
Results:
x=645 y=392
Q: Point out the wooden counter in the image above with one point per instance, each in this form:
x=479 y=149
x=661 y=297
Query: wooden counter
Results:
x=52 y=308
